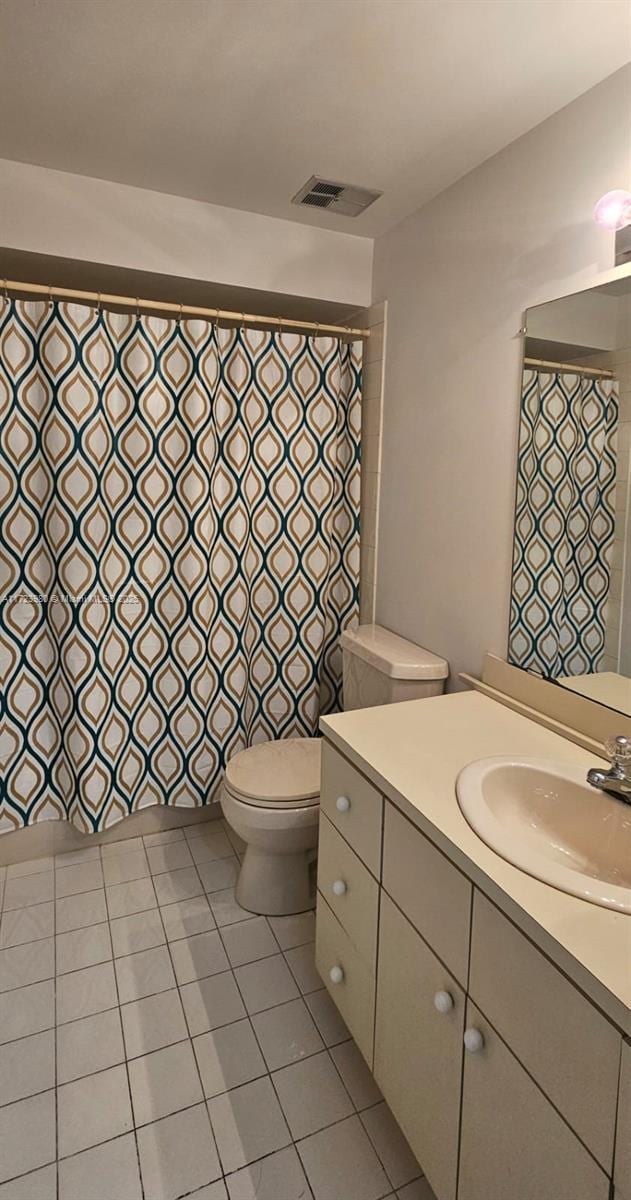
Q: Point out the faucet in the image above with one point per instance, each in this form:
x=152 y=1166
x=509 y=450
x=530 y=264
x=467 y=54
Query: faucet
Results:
x=616 y=781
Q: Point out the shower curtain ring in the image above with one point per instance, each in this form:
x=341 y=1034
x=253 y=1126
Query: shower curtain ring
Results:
x=99 y=304
x=5 y=292
x=50 y=295
x=137 y=308
x=178 y=319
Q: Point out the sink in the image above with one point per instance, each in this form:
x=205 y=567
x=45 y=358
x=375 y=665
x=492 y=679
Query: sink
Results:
x=544 y=818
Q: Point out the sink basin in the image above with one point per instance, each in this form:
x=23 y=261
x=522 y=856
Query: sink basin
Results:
x=544 y=818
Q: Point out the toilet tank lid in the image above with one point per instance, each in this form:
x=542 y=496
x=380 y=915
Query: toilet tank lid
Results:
x=393 y=655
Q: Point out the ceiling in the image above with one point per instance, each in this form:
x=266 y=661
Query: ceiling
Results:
x=238 y=102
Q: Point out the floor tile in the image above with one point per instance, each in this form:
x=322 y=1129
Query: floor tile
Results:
x=122 y=868
x=27 y=1066
x=85 y=992
x=228 y=1057
x=340 y=1162
x=286 y=1034
x=164 y=1082
x=140 y=931
x=144 y=973
x=177 y=885
x=390 y=1144
x=38 y=1185
x=357 y=1079
x=84 y=877
x=73 y=857
x=93 y=1110
x=27 y=1010
x=225 y=908
x=330 y=1024
x=213 y=1191
x=418 y=1190
x=178 y=1155
x=29 y=889
x=247 y=1123
x=301 y=962
x=278 y=1175
x=153 y=1022
x=89 y=1045
x=248 y=941
x=163 y=837
x=108 y=1172
x=75 y=912
x=33 y=866
x=312 y=1095
x=123 y=899
x=266 y=983
x=21 y=925
x=294 y=930
x=210 y=1003
x=218 y=875
x=83 y=948
x=187 y=917
x=199 y=956
x=122 y=846
x=237 y=842
x=209 y=846
x=29 y=963
x=27 y=1135
x=169 y=857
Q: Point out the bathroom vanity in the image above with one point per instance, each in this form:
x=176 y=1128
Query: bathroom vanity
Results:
x=493 y=1010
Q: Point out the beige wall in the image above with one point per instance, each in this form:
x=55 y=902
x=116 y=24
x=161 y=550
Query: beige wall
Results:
x=373 y=318
x=458 y=276
x=75 y=217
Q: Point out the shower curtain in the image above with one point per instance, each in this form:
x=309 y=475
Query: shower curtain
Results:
x=179 y=551
x=564 y=523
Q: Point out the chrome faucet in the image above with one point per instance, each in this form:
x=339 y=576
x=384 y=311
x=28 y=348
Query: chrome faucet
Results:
x=616 y=781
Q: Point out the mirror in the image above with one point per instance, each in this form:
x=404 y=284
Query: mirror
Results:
x=570 y=614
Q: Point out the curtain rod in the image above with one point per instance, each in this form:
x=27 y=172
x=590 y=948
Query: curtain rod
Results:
x=572 y=368
x=181 y=310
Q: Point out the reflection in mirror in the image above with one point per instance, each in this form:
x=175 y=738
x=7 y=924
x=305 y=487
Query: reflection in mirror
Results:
x=570 y=617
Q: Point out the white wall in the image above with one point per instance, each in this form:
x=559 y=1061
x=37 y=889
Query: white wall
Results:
x=585 y=319
x=72 y=216
x=457 y=276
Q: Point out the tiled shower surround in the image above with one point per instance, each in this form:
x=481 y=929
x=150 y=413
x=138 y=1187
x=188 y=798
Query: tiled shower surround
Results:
x=157 y=1041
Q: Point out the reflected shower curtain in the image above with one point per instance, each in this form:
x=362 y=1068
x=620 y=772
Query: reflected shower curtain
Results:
x=564 y=523
x=179 y=551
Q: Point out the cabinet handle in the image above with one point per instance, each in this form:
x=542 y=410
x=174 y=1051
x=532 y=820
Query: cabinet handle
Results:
x=443 y=1002
x=342 y=804
x=338 y=887
x=473 y=1041
x=336 y=975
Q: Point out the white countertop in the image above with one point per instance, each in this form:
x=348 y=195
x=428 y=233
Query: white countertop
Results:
x=413 y=753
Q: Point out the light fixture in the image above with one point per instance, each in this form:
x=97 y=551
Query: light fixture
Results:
x=613 y=210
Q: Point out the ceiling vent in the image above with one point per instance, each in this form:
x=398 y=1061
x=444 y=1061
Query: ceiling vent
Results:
x=341 y=198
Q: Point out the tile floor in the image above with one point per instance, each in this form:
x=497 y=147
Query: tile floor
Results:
x=157 y=1041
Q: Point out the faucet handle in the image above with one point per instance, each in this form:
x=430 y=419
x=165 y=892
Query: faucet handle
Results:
x=618 y=750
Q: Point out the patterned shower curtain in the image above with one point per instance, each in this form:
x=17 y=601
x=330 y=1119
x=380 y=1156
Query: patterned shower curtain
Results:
x=179 y=551
x=564 y=523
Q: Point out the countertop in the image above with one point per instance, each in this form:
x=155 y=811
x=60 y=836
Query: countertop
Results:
x=413 y=753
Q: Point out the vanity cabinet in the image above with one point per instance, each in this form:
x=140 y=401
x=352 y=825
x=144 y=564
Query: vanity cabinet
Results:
x=421 y=964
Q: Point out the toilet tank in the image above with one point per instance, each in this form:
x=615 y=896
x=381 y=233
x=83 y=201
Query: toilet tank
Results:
x=379 y=667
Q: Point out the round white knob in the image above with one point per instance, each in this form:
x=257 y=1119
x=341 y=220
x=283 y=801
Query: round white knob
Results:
x=336 y=974
x=443 y=1002
x=473 y=1041
x=342 y=804
x=339 y=887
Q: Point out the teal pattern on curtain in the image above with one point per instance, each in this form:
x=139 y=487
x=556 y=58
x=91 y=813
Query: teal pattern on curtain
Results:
x=179 y=552
x=564 y=523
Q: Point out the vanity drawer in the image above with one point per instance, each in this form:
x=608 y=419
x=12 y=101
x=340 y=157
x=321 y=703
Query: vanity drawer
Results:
x=353 y=805
x=357 y=908
x=354 y=995
x=622 y=1168
x=432 y=893
x=562 y=1040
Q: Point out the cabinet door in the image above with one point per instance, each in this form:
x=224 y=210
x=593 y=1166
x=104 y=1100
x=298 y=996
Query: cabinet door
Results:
x=514 y=1145
x=622 y=1170
x=418 y=1049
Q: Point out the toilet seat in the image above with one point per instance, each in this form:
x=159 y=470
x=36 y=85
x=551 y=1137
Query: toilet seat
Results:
x=280 y=774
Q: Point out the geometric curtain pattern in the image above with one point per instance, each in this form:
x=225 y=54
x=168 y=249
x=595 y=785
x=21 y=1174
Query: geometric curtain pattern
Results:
x=179 y=552
x=564 y=523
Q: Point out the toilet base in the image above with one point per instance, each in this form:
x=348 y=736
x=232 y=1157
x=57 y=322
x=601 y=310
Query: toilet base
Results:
x=275 y=885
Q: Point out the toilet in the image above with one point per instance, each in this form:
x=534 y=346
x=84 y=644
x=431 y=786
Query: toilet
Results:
x=271 y=791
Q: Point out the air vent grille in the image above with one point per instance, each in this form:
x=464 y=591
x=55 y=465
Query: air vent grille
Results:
x=342 y=198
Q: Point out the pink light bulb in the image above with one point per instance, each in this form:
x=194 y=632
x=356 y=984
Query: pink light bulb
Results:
x=613 y=210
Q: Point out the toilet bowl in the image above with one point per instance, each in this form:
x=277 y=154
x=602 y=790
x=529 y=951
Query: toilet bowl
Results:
x=271 y=792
